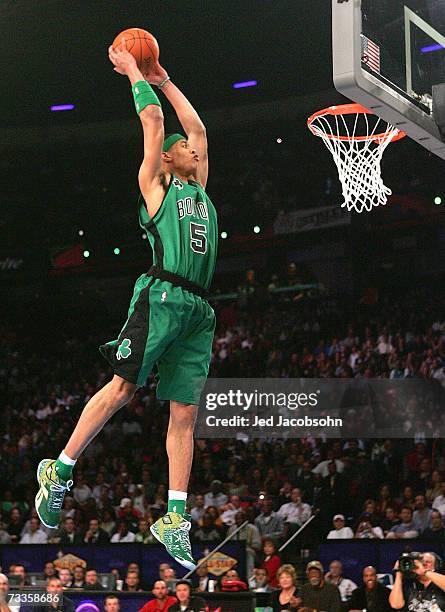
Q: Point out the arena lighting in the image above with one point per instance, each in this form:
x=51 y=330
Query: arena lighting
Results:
x=432 y=48
x=438 y=200
x=279 y=140
x=80 y=232
x=244 y=84
x=256 y=229
x=223 y=235
x=62 y=107
x=144 y=236
x=117 y=251
x=86 y=253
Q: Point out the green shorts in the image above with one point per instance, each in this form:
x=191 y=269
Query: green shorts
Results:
x=170 y=327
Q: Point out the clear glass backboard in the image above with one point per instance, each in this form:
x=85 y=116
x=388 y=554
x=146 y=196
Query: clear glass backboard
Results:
x=387 y=56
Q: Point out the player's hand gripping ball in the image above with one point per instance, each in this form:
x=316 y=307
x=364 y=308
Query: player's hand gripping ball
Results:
x=142 y=45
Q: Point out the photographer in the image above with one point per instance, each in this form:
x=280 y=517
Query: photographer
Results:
x=418 y=585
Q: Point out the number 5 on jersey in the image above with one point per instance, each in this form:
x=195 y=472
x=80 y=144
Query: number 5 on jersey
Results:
x=198 y=238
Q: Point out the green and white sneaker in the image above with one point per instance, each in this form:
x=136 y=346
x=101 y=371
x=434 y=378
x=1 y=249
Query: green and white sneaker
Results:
x=172 y=530
x=49 y=499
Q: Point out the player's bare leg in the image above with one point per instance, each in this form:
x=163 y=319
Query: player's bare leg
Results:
x=172 y=530
x=101 y=407
x=54 y=476
x=180 y=444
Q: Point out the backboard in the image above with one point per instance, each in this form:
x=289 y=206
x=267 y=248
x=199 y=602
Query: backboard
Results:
x=387 y=56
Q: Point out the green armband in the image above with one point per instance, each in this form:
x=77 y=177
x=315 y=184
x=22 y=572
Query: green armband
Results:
x=143 y=96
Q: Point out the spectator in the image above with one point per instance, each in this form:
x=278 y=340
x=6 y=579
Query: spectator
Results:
x=406 y=528
x=248 y=534
x=439 y=500
x=202 y=572
x=365 y=530
x=287 y=598
x=132 y=582
x=372 y=596
x=169 y=574
x=69 y=534
x=335 y=577
x=197 y=512
x=60 y=602
x=123 y=534
x=436 y=531
x=162 y=568
x=5 y=538
x=215 y=497
x=91 y=581
x=268 y=522
x=49 y=571
x=81 y=491
x=295 y=512
x=162 y=600
x=426 y=584
x=78 y=577
x=4 y=590
x=407 y=498
x=260 y=581
x=15 y=525
x=96 y=535
x=207 y=531
x=340 y=532
x=435 y=487
x=391 y=519
x=186 y=602
x=144 y=534
x=422 y=514
x=65 y=577
x=129 y=514
x=229 y=511
x=230 y=581
x=35 y=534
x=108 y=523
x=317 y=593
x=111 y=604
x=271 y=561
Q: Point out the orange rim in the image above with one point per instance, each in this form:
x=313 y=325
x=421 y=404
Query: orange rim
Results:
x=350 y=109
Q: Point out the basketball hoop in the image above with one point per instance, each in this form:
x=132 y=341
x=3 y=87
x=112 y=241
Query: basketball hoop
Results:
x=358 y=157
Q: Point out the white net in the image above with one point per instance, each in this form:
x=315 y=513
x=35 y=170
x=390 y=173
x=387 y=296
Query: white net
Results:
x=358 y=158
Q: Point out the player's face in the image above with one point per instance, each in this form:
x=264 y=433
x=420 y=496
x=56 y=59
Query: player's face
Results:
x=185 y=159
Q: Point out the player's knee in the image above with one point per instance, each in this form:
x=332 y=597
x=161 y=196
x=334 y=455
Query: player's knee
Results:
x=182 y=416
x=123 y=390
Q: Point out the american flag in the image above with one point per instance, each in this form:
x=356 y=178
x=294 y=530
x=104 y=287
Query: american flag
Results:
x=370 y=54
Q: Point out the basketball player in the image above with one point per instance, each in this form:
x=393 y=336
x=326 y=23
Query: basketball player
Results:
x=170 y=322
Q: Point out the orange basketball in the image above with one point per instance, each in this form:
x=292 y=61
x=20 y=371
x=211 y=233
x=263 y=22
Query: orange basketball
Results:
x=142 y=45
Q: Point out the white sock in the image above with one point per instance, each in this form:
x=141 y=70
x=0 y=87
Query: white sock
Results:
x=179 y=495
x=63 y=457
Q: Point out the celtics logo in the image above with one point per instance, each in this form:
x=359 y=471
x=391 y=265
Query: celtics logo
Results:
x=177 y=183
x=124 y=350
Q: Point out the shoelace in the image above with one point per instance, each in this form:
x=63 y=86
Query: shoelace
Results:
x=57 y=494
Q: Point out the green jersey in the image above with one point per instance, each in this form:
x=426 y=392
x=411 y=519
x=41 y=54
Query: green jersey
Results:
x=184 y=232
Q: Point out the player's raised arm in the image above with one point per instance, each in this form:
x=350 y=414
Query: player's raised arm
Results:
x=187 y=115
x=150 y=113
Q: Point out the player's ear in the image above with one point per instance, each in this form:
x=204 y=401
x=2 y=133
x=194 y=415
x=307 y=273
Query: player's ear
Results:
x=166 y=157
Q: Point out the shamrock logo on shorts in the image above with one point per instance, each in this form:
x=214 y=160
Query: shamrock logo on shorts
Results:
x=124 y=350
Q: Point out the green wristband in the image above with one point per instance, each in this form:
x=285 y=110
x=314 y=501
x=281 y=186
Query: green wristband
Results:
x=143 y=96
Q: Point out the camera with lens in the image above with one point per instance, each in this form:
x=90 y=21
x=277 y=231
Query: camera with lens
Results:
x=407 y=561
